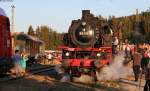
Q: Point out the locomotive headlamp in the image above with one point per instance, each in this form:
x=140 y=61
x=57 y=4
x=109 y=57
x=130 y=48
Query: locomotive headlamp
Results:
x=91 y=32
x=83 y=23
x=67 y=54
x=98 y=54
x=83 y=29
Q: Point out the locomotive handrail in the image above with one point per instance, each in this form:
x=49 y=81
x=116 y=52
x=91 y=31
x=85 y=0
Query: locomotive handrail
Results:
x=102 y=49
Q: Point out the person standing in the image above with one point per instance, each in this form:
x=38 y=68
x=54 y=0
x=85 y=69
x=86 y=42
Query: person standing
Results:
x=115 y=45
x=136 y=63
x=145 y=59
x=147 y=78
x=127 y=51
x=146 y=67
x=50 y=58
x=23 y=62
x=17 y=60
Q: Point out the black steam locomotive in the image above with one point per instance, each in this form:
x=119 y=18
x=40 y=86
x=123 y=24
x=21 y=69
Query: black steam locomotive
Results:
x=87 y=45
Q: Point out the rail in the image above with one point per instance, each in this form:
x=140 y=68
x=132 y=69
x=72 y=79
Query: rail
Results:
x=31 y=72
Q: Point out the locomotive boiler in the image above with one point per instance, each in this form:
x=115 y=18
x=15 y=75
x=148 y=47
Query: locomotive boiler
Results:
x=87 y=45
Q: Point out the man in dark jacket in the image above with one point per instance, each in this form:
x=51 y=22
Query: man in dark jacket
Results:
x=147 y=77
x=146 y=67
x=136 y=63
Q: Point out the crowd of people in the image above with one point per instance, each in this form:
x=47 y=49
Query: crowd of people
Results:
x=22 y=59
x=140 y=55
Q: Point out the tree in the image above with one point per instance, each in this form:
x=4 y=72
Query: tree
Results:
x=38 y=32
x=44 y=36
x=31 y=31
x=51 y=38
x=130 y=25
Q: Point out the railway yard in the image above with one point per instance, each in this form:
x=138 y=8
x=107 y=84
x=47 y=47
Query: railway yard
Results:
x=95 y=53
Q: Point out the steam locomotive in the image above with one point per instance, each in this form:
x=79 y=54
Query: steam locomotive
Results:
x=5 y=43
x=87 y=45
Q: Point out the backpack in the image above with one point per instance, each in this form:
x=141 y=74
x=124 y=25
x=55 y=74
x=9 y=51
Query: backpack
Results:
x=145 y=62
x=147 y=71
x=148 y=64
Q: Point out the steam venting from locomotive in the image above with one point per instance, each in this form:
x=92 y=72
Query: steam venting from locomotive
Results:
x=115 y=71
x=89 y=31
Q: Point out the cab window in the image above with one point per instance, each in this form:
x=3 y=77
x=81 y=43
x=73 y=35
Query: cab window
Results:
x=7 y=25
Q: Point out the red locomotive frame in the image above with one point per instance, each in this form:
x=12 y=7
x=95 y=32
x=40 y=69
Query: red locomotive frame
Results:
x=74 y=62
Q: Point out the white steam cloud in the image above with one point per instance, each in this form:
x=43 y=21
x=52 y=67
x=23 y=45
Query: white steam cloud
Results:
x=115 y=71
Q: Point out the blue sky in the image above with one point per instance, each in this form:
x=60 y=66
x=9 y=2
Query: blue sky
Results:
x=58 y=14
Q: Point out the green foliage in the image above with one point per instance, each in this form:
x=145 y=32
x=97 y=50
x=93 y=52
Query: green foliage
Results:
x=50 y=37
x=128 y=25
x=31 y=31
x=147 y=38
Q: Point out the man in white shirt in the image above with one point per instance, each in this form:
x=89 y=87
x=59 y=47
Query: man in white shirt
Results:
x=50 y=57
x=115 y=45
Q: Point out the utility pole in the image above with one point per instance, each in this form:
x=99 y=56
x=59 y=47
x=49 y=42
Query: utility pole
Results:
x=13 y=29
x=138 y=33
x=13 y=19
x=137 y=21
x=137 y=15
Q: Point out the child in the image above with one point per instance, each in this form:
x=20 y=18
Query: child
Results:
x=23 y=63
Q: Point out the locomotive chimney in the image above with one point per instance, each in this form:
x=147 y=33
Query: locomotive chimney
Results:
x=13 y=29
x=85 y=14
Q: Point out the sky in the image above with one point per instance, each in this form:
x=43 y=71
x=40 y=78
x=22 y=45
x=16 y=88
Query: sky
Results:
x=58 y=14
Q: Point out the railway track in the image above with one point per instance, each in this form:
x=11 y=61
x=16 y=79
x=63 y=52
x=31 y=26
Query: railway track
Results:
x=30 y=73
x=58 y=86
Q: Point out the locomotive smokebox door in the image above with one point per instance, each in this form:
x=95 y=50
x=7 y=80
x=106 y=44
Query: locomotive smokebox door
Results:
x=83 y=35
